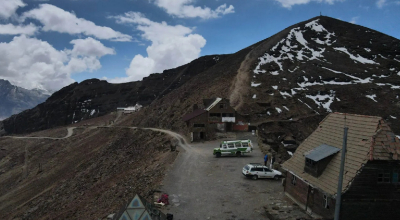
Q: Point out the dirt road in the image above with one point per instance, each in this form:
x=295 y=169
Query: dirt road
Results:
x=202 y=186
x=70 y=132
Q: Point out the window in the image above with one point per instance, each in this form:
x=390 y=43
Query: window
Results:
x=228 y=115
x=395 y=176
x=326 y=205
x=215 y=115
x=198 y=125
x=224 y=146
x=237 y=145
x=222 y=105
x=267 y=170
x=384 y=176
x=257 y=169
x=293 y=180
x=230 y=145
x=245 y=144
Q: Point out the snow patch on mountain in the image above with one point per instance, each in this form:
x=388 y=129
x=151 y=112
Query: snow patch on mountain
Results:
x=357 y=58
x=373 y=96
x=294 y=46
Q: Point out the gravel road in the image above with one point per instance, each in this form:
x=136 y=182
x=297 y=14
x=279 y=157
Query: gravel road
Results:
x=201 y=186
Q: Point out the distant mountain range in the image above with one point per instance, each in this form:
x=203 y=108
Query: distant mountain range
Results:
x=14 y=99
x=310 y=69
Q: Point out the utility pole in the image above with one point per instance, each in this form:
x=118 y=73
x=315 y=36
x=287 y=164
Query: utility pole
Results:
x=340 y=182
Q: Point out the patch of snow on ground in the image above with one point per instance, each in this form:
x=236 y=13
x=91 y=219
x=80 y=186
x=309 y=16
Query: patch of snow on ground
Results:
x=355 y=58
x=269 y=113
x=284 y=94
x=320 y=100
x=275 y=87
x=307 y=84
x=275 y=73
x=255 y=84
x=393 y=117
x=392 y=69
x=356 y=79
x=277 y=45
x=381 y=76
x=267 y=59
x=298 y=67
x=315 y=26
x=367 y=49
x=383 y=57
x=290 y=153
x=318 y=41
x=337 y=99
x=92 y=112
x=398 y=73
x=388 y=84
x=286 y=108
x=293 y=92
x=278 y=109
x=299 y=36
x=372 y=97
x=397 y=60
x=254 y=96
x=271 y=94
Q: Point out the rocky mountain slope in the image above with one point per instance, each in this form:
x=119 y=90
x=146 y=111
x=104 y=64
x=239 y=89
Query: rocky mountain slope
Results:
x=93 y=98
x=14 y=99
x=307 y=70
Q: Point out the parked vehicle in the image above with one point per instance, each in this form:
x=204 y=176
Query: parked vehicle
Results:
x=257 y=170
x=235 y=147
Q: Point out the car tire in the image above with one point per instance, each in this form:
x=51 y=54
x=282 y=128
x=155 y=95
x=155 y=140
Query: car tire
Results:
x=238 y=154
x=218 y=154
x=276 y=177
x=254 y=177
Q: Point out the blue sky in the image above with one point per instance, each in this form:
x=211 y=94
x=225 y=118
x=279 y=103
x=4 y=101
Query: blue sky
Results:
x=51 y=43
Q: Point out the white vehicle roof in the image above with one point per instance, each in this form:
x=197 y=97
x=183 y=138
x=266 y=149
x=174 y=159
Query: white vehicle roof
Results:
x=234 y=141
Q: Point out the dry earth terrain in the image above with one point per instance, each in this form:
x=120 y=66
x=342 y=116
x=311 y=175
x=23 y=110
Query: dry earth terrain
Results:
x=86 y=176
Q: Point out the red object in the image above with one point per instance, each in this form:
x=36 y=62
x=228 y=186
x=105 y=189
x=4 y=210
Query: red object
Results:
x=164 y=199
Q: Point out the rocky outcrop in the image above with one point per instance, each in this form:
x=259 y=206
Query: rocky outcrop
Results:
x=15 y=99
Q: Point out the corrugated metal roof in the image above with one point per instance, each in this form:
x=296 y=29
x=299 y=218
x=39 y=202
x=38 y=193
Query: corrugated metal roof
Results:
x=364 y=132
x=213 y=104
x=321 y=152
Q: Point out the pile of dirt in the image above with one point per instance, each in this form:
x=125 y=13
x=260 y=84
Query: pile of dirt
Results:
x=86 y=176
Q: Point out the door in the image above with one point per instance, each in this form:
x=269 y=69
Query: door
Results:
x=268 y=173
x=259 y=172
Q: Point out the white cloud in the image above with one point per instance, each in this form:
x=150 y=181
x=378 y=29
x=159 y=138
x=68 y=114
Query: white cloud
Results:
x=380 y=3
x=33 y=63
x=354 y=19
x=290 y=3
x=185 y=9
x=90 y=47
x=8 y=7
x=56 y=19
x=171 y=46
x=10 y=29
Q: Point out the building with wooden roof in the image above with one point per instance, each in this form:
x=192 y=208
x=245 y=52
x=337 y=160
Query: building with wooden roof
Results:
x=216 y=116
x=371 y=186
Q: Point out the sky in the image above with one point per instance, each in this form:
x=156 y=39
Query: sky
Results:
x=49 y=44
